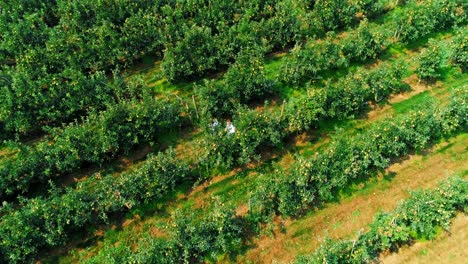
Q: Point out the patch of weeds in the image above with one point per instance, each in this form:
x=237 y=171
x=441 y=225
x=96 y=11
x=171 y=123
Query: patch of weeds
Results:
x=337 y=225
x=423 y=252
x=356 y=213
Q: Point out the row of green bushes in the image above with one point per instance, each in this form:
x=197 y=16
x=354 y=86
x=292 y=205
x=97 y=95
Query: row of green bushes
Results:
x=203 y=238
x=52 y=52
x=192 y=238
x=366 y=42
x=460 y=54
x=432 y=58
x=423 y=18
x=246 y=81
x=47 y=222
x=288 y=22
x=316 y=180
x=258 y=130
x=93 y=141
x=79 y=144
x=338 y=99
x=311 y=61
x=420 y=216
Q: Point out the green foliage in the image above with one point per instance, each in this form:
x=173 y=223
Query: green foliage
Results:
x=430 y=62
x=245 y=82
x=371 y=8
x=350 y=95
x=385 y=80
x=312 y=61
x=305 y=111
x=418 y=216
x=97 y=140
x=195 y=238
x=422 y=18
x=192 y=239
x=315 y=180
x=47 y=222
x=217 y=99
x=247 y=78
x=26 y=101
x=460 y=50
x=194 y=55
x=334 y=14
x=365 y=43
x=284 y=28
x=455 y=117
x=309 y=62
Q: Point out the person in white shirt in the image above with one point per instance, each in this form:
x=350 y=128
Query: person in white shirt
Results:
x=215 y=124
x=230 y=129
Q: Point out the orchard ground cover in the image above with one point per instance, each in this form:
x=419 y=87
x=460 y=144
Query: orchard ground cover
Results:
x=261 y=109
x=194 y=104
x=224 y=184
x=189 y=205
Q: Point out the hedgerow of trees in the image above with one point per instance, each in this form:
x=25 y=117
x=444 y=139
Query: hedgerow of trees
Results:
x=94 y=141
x=418 y=217
x=38 y=83
x=301 y=191
x=52 y=52
x=339 y=99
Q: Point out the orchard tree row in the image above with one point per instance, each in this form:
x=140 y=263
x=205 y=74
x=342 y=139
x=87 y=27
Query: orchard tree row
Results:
x=340 y=98
x=197 y=237
x=365 y=43
x=52 y=52
x=95 y=140
x=106 y=134
x=46 y=222
x=315 y=180
x=418 y=217
x=432 y=58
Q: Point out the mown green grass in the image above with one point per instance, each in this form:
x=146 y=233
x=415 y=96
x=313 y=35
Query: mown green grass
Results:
x=419 y=101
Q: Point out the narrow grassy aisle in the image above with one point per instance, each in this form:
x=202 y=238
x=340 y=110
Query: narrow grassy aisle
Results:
x=361 y=202
x=446 y=248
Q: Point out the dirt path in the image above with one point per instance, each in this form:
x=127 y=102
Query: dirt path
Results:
x=446 y=248
x=353 y=213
